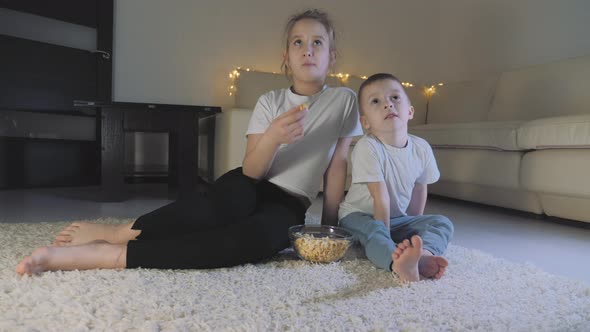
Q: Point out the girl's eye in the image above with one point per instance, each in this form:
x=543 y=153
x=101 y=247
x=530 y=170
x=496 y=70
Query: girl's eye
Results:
x=297 y=42
x=375 y=101
x=317 y=42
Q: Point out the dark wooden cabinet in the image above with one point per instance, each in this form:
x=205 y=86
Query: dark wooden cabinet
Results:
x=41 y=77
x=180 y=122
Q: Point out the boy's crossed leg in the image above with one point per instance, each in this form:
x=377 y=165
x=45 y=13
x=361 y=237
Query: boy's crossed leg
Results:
x=411 y=262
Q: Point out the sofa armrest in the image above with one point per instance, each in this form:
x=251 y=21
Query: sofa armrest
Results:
x=230 y=139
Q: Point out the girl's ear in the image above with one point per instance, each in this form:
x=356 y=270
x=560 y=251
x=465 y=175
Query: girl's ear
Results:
x=365 y=122
x=332 y=59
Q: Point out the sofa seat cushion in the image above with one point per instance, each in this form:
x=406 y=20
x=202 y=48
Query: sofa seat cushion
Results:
x=498 y=169
x=490 y=135
x=557 y=172
x=556 y=132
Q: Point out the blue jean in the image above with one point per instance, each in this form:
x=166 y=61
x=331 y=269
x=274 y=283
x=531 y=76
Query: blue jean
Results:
x=436 y=232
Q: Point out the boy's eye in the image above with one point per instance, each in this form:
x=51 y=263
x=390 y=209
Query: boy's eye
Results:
x=394 y=98
x=374 y=101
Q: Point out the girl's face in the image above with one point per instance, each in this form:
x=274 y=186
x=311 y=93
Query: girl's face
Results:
x=308 y=55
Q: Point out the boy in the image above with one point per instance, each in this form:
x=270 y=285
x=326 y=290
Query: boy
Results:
x=390 y=172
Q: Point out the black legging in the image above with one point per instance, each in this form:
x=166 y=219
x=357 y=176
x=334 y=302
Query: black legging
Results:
x=239 y=222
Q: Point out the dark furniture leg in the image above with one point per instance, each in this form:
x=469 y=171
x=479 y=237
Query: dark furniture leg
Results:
x=112 y=142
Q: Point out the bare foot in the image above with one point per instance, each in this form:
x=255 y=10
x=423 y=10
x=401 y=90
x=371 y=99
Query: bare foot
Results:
x=405 y=259
x=96 y=255
x=432 y=267
x=35 y=263
x=85 y=232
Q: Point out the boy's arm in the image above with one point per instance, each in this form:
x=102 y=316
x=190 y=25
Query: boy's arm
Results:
x=335 y=181
x=418 y=200
x=378 y=191
x=261 y=148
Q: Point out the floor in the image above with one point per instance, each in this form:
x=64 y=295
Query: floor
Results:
x=553 y=245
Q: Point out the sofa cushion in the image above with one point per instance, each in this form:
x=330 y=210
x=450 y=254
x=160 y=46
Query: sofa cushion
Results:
x=557 y=172
x=499 y=169
x=467 y=101
x=474 y=135
x=554 y=89
x=557 y=132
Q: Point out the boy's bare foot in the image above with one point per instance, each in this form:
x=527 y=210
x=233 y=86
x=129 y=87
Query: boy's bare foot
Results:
x=405 y=259
x=432 y=267
x=96 y=255
x=85 y=232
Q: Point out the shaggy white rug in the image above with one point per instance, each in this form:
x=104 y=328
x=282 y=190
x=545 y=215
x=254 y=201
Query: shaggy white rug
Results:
x=479 y=292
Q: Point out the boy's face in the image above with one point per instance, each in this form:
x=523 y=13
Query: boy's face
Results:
x=385 y=107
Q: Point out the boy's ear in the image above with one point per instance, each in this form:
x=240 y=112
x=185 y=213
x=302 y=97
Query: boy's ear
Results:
x=365 y=122
x=411 y=115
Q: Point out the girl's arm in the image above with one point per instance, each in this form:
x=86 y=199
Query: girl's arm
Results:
x=261 y=148
x=378 y=191
x=418 y=200
x=335 y=181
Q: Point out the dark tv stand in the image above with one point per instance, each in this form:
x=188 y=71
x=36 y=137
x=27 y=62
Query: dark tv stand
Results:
x=181 y=122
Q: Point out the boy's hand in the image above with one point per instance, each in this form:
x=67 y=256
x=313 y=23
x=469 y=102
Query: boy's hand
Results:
x=288 y=127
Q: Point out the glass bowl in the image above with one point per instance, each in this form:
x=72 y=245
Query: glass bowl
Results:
x=320 y=243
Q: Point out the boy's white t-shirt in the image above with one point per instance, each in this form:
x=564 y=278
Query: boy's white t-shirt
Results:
x=299 y=167
x=399 y=168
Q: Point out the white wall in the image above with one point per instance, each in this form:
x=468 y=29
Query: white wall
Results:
x=477 y=37
x=181 y=51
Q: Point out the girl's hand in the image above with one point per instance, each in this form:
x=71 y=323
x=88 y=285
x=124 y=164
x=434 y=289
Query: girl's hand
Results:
x=288 y=127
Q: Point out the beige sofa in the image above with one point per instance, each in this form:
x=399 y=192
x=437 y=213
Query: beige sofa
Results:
x=519 y=140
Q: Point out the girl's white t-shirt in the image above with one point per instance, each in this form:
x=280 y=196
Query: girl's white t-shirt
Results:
x=299 y=167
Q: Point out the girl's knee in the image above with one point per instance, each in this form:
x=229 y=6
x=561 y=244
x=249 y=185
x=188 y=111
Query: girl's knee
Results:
x=234 y=194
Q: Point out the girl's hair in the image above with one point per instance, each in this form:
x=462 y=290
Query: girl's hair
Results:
x=313 y=14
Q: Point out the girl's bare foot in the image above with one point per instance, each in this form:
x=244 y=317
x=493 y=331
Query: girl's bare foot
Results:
x=85 y=232
x=405 y=259
x=96 y=255
x=432 y=267
x=35 y=263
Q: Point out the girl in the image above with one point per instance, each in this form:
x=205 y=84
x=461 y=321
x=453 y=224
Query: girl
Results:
x=295 y=136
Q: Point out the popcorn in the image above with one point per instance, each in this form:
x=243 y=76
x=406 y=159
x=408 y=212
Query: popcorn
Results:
x=320 y=249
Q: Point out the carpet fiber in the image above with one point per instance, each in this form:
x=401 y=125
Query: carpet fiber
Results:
x=479 y=292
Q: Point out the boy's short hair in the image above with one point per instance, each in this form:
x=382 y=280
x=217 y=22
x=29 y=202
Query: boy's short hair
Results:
x=375 y=78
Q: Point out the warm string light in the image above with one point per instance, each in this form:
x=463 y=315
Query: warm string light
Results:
x=343 y=77
x=428 y=92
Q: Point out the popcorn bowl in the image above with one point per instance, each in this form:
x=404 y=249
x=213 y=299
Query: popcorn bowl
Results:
x=320 y=243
